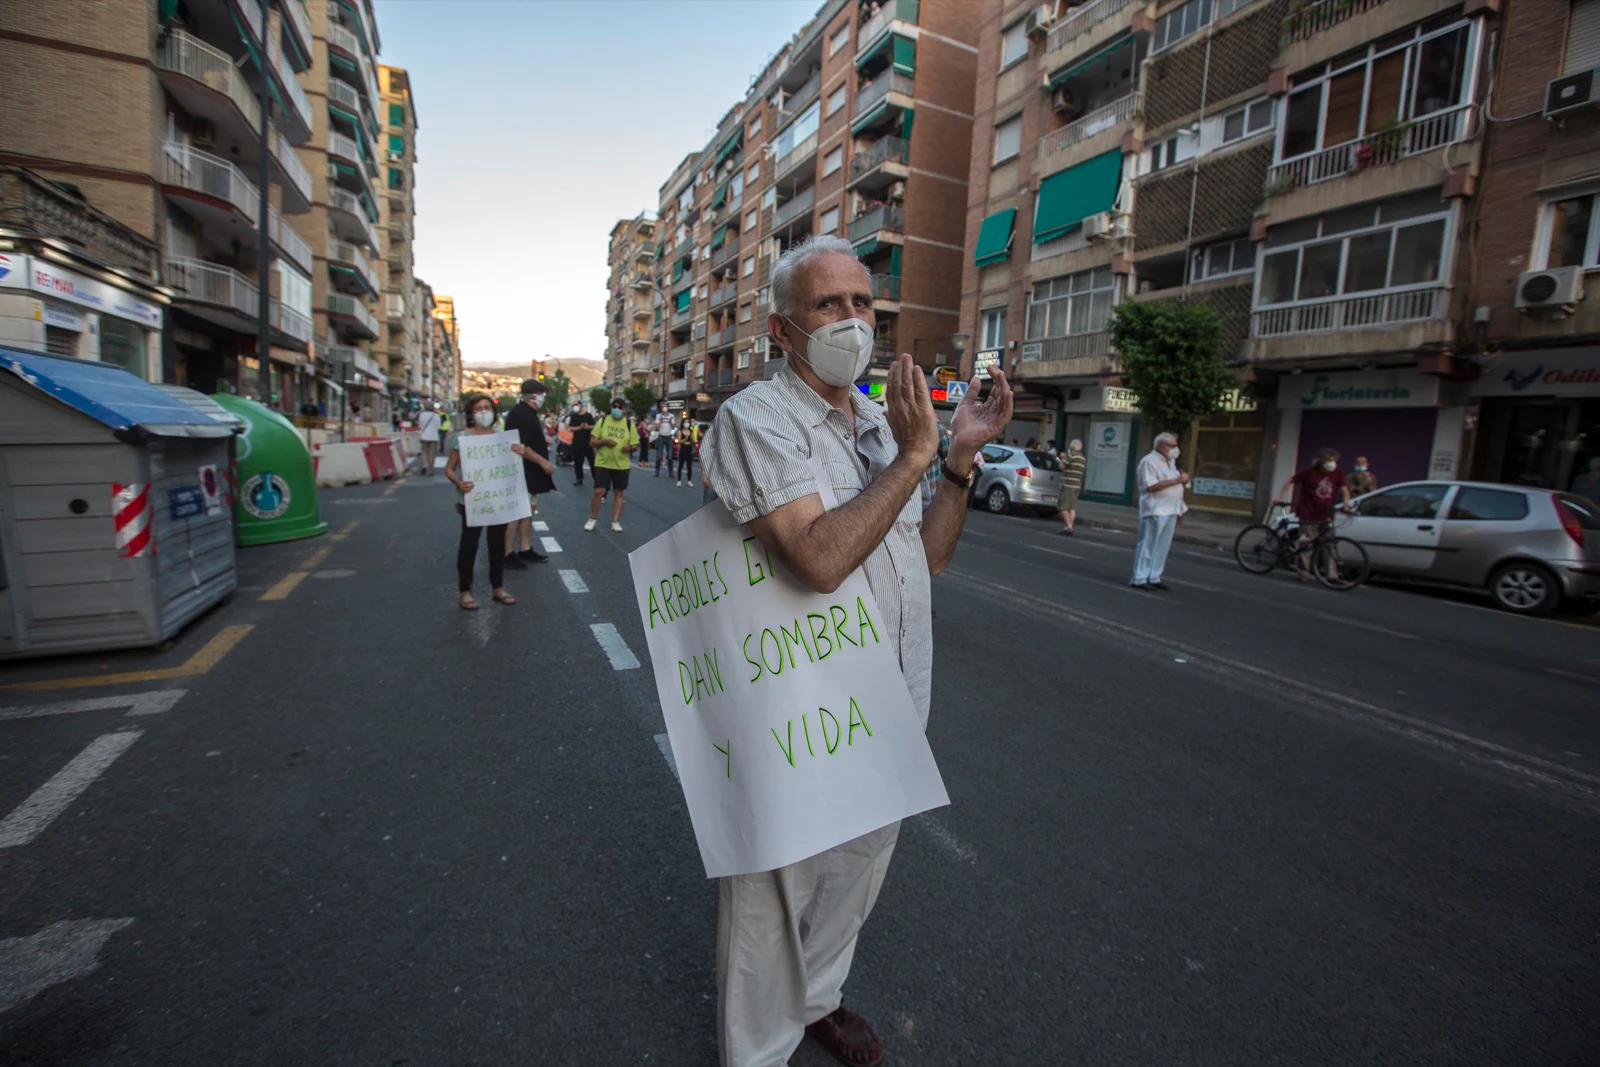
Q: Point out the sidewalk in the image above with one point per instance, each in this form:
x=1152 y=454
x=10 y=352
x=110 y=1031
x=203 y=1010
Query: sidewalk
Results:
x=1196 y=528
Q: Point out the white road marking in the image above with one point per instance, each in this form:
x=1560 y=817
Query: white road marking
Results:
x=151 y=703
x=66 y=785
x=540 y=526
x=574 y=582
x=374 y=500
x=665 y=745
x=1057 y=552
x=482 y=625
x=334 y=572
x=946 y=840
x=551 y=545
x=439 y=463
x=1358 y=624
x=1191 y=584
x=59 y=953
x=615 y=648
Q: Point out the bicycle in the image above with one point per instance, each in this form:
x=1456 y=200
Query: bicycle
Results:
x=1337 y=562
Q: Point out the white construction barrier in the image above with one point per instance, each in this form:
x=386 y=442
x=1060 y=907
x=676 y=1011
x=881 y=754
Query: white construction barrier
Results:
x=342 y=464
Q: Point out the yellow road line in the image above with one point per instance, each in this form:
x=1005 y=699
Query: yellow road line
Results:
x=314 y=560
x=390 y=491
x=344 y=532
x=284 y=586
x=204 y=659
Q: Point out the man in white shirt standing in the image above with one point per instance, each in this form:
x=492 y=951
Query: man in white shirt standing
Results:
x=428 y=424
x=1160 y=503
x=663 y=430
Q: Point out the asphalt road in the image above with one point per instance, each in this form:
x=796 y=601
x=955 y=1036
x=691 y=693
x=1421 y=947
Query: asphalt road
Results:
x=1243 y=822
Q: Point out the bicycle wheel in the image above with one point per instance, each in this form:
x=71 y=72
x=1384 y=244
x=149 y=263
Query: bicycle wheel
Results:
x=1340 y=563
x=1257 y=548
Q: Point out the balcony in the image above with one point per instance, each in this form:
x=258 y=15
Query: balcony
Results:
x=720 y=339
x=255 y=16
x=728 y=251
x=395 y=306
x=352 y=315
x=346 y=42
x=678 y=387
x=346 y=150
x=346 y=258
x=798 y=101
x=886 y=287
x=722 y=296
x=208 y=85
x=877 y=90
x=293 y=174
x=212 y=189
x=873 y=28
x=291 y=323
x=877 y=220
x=880 y=163
x=297 y=115
x=680 y=352
x=1372 y=311
x=795 y=209
x=790 y=162
x=299 y=20
x=641 y=313
x=640 y=280
x=1310 y=19
x=351 y=219
x=1075 y=355
x=355 y=103
x=229 y=298
x=1099 y=120
x=1380 y=149
x=646 y=250
x=681 y=318
x=290 y=244
x=1076 y=24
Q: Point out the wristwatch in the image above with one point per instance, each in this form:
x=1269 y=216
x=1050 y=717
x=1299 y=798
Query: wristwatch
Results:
x=963 y=480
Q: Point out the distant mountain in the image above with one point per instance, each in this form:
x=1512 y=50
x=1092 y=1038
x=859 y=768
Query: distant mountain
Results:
x=584 y=373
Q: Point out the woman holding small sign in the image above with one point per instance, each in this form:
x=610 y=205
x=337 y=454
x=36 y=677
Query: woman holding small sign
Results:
x=481 y=416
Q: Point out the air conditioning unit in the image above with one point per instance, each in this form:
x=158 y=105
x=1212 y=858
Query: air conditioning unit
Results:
x=1097 y=225
x=1060 y=99
x=1559 y=287
x=897 y=191
x=1571 y=93
x=397 y=157
x=1038 y=22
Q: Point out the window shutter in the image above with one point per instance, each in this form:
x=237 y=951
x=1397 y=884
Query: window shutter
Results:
x=1583 y=37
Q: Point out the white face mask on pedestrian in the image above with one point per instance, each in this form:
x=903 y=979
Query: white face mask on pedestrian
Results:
x=484 y=419
x=838 y=352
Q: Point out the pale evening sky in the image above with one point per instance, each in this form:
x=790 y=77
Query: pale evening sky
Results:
x=545 y=121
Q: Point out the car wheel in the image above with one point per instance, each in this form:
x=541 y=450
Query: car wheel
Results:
x=1525 y=588
x=997 y=500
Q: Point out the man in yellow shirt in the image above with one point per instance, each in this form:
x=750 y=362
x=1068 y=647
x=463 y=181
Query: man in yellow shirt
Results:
x=614 y=438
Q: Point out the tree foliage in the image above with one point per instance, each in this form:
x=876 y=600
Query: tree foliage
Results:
x=600 y=398
x=557 y=388
x=1172 y=357
x=641 y=398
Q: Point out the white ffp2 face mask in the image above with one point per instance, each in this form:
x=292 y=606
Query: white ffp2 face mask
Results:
x=484 y=419
x=1175 y=453
x=838 y=352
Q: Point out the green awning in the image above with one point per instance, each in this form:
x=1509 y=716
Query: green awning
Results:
x=876 y=50
x=727 y=149
x=866 y=248
x=870 y=117
x=684 y=299
x=677 y=269
x=994 y=237
x=718 y=235
x=720 y=196
x=1066 y=198
x=1087 y=61
x=905 y=55
x=905 y=126
x=895 y=252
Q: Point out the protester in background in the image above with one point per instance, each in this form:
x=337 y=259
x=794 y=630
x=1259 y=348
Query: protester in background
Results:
x=1321 y=487
x=644 y=443
x=428 y=424
x=615 y=436
x=581 y=423
x=1073 y=465
x=664 y=427
x=1361 y=479
x=1160 y=503
x=481 y=415
x=536 y=470
x=688 y=440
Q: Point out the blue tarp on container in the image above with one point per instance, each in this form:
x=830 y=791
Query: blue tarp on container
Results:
x=110 y=395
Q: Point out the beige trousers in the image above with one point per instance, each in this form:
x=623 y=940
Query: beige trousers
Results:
x=785 y=939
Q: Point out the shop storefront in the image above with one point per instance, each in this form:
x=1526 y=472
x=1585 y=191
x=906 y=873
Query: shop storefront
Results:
x=1223 y=453
x=52 y=308
x=1408 y=424
x=1106 y=420
x=1538 y=419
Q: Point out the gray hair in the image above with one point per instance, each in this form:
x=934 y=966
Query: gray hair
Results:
x=1169 y=438
x=1076 y=445
x=783 y=271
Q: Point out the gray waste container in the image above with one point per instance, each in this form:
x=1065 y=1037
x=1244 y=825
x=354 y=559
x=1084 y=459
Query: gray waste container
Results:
x=115 y=521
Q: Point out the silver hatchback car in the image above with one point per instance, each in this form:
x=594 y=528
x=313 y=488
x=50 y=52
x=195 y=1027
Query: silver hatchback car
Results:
x=1531 y=550
x=1013 y=476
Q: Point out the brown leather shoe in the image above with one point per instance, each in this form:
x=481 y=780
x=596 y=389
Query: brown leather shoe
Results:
x=848 y=1038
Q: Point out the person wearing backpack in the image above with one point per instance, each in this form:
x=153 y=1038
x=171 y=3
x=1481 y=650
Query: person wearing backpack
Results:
x=615 y=437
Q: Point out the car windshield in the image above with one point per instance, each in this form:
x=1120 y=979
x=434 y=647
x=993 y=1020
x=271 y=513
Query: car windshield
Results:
x=1043 y=460
x=1587 y=511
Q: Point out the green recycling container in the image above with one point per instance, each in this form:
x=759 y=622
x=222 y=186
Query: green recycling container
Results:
x=276 y=498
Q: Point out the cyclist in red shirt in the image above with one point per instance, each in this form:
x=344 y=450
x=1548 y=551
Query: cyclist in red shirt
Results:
x=1321 y=488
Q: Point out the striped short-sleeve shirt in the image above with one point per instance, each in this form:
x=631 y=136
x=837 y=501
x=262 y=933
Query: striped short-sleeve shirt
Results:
x=766 y=449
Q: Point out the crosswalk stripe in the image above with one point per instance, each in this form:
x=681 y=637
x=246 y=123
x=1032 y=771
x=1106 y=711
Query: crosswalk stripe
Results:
x=574 y=582
x=550 y=544
x=615 y=648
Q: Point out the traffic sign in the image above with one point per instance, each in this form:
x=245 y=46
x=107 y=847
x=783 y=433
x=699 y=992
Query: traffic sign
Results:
x=955 y=392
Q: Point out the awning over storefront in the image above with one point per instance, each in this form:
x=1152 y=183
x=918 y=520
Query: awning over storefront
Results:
x=1082 y=65
x=1067 y=198
x=994 y=237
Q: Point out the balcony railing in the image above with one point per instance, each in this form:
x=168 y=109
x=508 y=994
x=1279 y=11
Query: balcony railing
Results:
x=200 y=172
x=1375 y=150
x=1311 y=17
x=883 y=150
x=291 y=322
x=191 y=57
x=681 y=351
x=1074 y=346
x=1080 y=22
x=289 y=160
x=646 y=250
x=349 y=203
x=888 y=81
x=799 y=100
x=346 y=97
x=293 y=246
x=395 y=306
x=341 y=37
x=1371 y=311
x=347 y=148
x=883 y=217
x=300 y=20
x=797 y=155
x=677 y=386
x=886 y=287
x=787 y=213
x=680 y=318
x=729 y=250
x=208 y=283
x=905 y=10
x=350 y=307
x=346 y=254
x=1097 y=121
x=723 y=296
x=255 y=14
x=291 y=88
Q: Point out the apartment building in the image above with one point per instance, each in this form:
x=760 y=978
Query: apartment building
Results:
x=447 y=347
x=1308 y=167
x=633 y=302
x=142 y=134
x=398 y=349
x=859 y=127
x=1535 y=405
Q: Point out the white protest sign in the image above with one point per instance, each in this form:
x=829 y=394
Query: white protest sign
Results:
x=499 y=492
x=789 y=717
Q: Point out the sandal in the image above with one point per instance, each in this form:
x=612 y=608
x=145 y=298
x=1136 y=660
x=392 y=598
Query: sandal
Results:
x=468 y=603
x=503 y=597
x=848 y=1038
